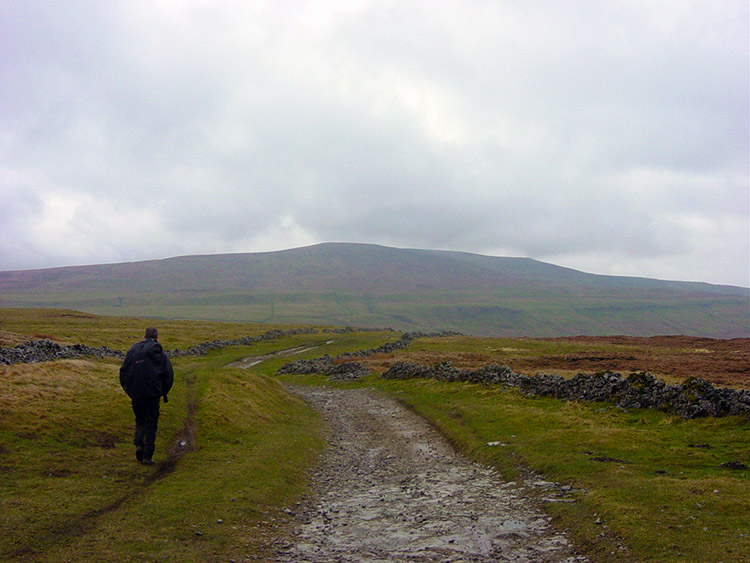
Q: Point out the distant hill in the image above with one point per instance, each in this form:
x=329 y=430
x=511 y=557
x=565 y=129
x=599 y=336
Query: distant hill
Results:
x=370 y=285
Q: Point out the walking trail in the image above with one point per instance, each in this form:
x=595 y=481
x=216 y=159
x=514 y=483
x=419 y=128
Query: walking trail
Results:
x=390 y=489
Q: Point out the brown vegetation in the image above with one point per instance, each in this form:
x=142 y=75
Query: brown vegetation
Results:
x=724 y=362
x=672 y=358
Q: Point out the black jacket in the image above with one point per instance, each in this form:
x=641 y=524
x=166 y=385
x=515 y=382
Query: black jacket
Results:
x=146 y=372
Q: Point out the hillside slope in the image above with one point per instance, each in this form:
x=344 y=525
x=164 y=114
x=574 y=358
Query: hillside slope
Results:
x=372 y=285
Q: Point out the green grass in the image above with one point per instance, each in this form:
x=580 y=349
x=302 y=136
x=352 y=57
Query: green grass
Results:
x=506 y=311
x=70 y=488
x=64 y=434
x=68 y=476
x=70 y=326
x=255 y=445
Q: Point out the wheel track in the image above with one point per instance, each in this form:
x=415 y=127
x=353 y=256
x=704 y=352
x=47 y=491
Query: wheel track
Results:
x=183 y=441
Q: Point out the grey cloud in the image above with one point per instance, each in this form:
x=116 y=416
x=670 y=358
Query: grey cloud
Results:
x=579 y=129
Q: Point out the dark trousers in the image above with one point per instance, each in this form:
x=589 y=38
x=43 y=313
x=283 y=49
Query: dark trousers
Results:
x=146 y=420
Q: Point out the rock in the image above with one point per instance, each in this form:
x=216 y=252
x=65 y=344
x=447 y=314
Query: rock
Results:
x=304 y=367
x=204 y=347
x=607 y=459
x=47 y=350
x=694 y=398
x=542 y=483
x=345 y=371
x=734 y=465
x=348 y=371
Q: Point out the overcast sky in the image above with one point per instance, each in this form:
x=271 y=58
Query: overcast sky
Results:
x=607 y=136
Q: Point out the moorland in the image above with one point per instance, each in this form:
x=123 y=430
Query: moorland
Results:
x=375 y=286
x=235 y=448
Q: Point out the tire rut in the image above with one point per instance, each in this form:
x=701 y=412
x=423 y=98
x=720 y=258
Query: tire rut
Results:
x=390 y=488
x=183 y=441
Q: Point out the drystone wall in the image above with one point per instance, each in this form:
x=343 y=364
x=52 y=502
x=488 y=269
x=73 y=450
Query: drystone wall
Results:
x=341 y=367
x=347 y=329
x=345 y=371
x=405 y=340
x=47 y=350
x=204 y=347
x=692 y=399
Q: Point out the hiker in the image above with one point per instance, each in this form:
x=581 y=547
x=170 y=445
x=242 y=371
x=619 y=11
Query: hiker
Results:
x=146 y=376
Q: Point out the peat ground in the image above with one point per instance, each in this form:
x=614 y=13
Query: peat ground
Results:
x=672 y=358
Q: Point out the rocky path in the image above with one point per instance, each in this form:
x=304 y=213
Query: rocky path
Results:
x=390 y=489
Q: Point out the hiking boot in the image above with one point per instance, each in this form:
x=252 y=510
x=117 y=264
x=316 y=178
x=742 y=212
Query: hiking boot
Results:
x=139 y=453
x=148 y=461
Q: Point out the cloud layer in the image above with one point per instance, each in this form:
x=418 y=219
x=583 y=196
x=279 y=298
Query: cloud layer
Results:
x=611 y=137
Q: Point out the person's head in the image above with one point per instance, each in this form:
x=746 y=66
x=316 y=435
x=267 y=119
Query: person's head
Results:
x=151 y=332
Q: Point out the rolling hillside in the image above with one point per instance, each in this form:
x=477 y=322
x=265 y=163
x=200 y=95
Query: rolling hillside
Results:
x=369 y=285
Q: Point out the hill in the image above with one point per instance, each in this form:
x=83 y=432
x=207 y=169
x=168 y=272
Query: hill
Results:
x=407 y=289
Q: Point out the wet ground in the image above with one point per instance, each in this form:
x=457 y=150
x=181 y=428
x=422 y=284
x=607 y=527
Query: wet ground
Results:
x=390 y=489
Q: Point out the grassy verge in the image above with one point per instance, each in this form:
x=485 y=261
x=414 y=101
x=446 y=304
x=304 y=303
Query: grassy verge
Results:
x=63 y=440
x=71 y=489
x=255 y=444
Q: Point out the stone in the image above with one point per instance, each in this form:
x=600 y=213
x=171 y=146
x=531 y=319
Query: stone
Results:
x=734 y=465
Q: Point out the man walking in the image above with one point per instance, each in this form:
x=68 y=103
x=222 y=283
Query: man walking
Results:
x=146 y=375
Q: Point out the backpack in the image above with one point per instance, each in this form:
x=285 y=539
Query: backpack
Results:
x=140 y=374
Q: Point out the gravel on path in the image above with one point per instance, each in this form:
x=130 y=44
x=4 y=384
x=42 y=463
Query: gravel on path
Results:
x=391 y=489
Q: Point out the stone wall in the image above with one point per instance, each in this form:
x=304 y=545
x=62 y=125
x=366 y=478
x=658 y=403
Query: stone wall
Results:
x=404 y=341
x=204 y=347
x=48 y=350
x=343 y=369
x=691 y=399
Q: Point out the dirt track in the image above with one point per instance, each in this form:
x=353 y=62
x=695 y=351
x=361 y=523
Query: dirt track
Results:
x=390 y=489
